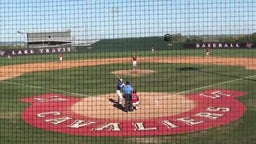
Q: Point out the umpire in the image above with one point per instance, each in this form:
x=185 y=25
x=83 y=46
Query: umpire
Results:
x=127 y=89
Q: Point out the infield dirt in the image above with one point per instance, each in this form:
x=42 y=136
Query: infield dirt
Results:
x=11 y=71
x=101 y=106
x=153 y=105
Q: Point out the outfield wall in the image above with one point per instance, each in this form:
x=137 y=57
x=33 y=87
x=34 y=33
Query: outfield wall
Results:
x=130 y=45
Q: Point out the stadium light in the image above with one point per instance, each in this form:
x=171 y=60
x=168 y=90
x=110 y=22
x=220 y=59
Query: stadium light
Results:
x=113 y=11
x=22 y=33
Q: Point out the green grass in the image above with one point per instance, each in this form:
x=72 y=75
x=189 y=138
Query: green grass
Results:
x=99 y=80
x=76 y=56
x=91 y=81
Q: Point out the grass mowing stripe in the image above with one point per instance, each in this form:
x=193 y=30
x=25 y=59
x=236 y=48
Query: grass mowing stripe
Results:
x=38 y=87
x=179 y=93
x=220 y=83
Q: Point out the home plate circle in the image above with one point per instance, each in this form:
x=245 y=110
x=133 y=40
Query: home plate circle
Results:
x=152 y=105
x=159 y=113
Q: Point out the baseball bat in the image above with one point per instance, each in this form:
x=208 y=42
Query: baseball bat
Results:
x=117 y=76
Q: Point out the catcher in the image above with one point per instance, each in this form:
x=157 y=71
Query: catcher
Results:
x=135 y=100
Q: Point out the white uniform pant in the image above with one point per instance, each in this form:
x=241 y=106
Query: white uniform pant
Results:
x=136 y=104
x=134 y=63
x=120 y=96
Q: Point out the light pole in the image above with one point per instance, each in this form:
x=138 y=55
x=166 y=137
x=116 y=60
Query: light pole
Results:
x=187 y=19
x=22 y=33
x=113 y=11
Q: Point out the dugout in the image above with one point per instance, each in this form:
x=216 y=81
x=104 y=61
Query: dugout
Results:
x=49 y=39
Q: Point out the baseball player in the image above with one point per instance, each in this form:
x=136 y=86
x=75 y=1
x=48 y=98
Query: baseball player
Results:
x=152 y=50
x=134 y=62
x=9 y=55
x=119 y=87
x=135 y=100
x=60 y=57
x=207 y=52
x=127 y=90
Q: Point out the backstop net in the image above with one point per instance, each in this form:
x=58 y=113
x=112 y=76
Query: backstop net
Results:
x=167 y=71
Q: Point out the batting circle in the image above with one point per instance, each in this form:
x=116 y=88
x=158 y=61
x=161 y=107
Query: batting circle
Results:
x=153 y=105
x=56 y=113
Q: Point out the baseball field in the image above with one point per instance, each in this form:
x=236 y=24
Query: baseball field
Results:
x=74 y=101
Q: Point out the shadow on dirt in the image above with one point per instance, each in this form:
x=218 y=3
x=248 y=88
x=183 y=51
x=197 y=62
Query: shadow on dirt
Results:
x=116 y=104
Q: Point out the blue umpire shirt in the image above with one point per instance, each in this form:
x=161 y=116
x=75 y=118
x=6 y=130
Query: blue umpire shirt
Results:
x=127 y=89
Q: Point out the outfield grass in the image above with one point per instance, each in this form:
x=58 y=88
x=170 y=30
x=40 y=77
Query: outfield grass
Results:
x=91 y=81
x=76 y=56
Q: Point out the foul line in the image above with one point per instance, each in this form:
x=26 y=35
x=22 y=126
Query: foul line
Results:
x=38 y=87
x=220 y=83
x=82 y=95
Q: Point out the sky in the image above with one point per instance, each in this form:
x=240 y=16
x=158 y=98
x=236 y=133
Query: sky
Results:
x=103 y=19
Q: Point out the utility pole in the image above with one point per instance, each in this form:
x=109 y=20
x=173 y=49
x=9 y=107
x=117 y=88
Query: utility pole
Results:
x=23 y=34
x=113 y=11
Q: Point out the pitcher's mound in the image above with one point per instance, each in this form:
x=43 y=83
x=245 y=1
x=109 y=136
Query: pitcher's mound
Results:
x=153 y=105
x=134 y=73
